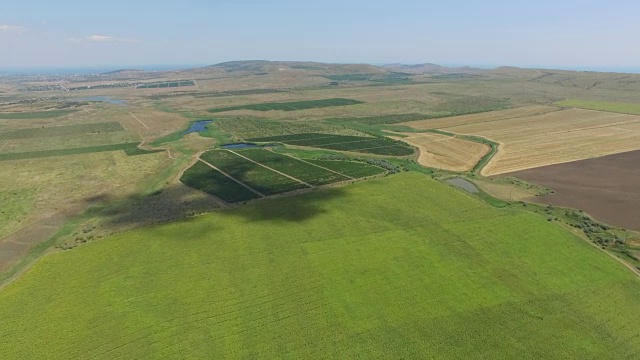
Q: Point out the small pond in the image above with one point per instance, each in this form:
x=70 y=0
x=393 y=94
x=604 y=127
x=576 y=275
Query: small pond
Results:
x=198 y=126
x=240 y=146
x=106 y=99
x=463 y=184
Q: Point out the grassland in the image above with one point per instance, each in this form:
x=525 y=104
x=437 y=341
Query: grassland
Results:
x=446 y=152
x=34 y=114
x=130 y=149
x=544 y=139
x=354 y=272
x=370 y=145
x=16 y=205
x=40 y=194
x=65 y=130
x=290 y=105
x=617 y=107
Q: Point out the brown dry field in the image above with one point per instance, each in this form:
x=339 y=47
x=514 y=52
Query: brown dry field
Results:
x=606 y=188
x=550 y=138
x=445 y=152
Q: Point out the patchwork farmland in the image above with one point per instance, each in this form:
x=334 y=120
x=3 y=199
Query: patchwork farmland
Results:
x=549 y=138
x=326 y=238
x=237 y=176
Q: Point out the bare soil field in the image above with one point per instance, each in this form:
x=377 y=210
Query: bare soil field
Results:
x=446 y=152
x=549 y=138
x=606 y=188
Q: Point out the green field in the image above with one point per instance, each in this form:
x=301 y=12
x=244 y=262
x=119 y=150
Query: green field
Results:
x=65 y=130
x=618 y=107
x=246 y=128
x=130 y=148
x=382 y=119
x=202 y=177
x=399 y=267
x=240 y=93
x=389 y=78
x=34 y=115
x=369 y=145
x=291 y=105
x=255 y=176
x=350 y=168
x=16 y=204
x=167 y=84
x=306 y=172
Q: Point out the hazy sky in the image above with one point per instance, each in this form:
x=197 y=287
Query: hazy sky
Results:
x=580 y=34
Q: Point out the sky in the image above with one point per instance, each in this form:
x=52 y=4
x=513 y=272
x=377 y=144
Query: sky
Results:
x=593 y=35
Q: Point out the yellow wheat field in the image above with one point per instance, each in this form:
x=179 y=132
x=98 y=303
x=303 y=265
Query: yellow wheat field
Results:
x=446 y=152
x=548 y=138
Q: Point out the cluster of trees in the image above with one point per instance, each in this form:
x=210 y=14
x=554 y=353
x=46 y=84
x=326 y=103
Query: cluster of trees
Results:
x=595 y=231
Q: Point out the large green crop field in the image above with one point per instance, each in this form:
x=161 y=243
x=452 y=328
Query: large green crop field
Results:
x=291 y=105
x=67 y=130
x=619 y=107
x=131 y=149
x=361 y=144
x=34 y=115
x=397 y=267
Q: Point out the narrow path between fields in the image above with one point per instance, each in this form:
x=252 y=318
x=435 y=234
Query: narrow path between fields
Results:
x=316 y=165
x=140 y=121
x=236 y=180
x=274 y=170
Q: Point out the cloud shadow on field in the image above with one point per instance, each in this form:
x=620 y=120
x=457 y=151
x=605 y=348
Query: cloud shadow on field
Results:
x=178 y=202
x=292 y=207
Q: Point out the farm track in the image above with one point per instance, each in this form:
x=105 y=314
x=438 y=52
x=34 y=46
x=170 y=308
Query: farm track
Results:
x=140 y=121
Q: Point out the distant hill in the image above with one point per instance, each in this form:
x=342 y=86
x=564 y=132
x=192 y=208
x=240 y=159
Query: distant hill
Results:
x=122 y=72
x=429 y=68
x=307 y=66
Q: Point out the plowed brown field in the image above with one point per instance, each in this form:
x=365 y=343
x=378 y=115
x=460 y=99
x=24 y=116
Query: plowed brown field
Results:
x=606 y=188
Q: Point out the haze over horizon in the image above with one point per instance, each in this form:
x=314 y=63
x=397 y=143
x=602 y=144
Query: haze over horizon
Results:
x=580 y=35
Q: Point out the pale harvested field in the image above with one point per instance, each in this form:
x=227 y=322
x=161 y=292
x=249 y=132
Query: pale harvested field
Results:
x=446 y=152
x=550 y=138
x=487 y=117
